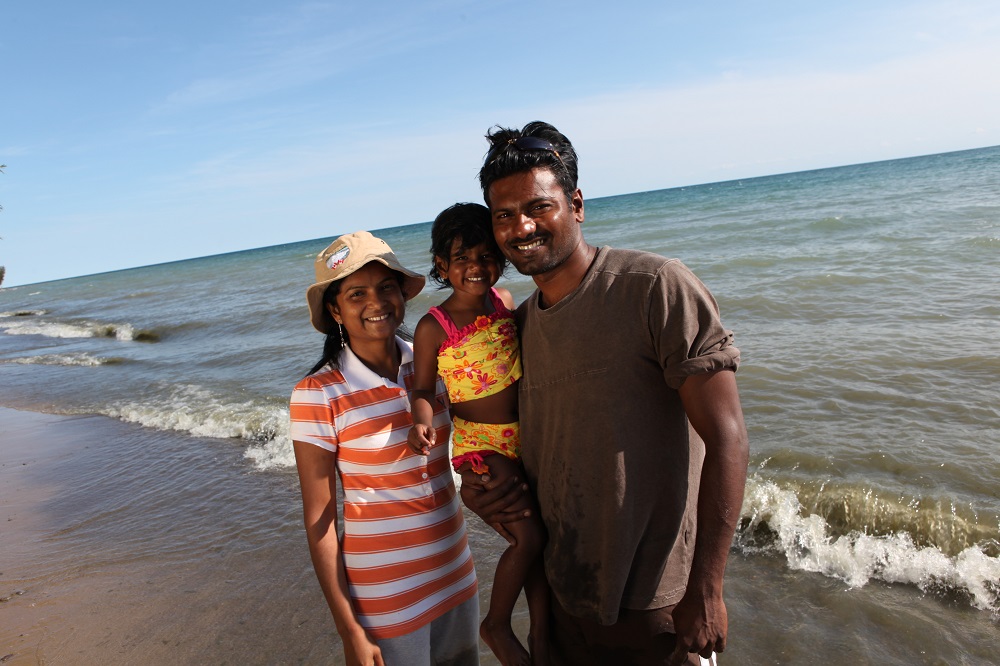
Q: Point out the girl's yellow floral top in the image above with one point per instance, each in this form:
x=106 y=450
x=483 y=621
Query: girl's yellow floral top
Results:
x=480 y=359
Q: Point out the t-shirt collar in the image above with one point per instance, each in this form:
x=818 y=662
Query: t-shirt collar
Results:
x=595 y=265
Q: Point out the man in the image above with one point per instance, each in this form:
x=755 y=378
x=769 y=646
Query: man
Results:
x=632 y=430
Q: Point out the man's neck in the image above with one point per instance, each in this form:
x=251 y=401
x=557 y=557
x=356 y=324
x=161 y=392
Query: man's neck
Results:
x=558 y=283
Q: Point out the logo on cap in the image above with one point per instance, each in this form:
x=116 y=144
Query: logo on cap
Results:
x=337 y=258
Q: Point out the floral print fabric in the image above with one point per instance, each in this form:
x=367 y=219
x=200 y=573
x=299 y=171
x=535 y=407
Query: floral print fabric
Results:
x=482 y=358
x=472 y=442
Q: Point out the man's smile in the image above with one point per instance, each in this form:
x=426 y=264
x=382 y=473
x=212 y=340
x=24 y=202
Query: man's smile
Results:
x=528 y=245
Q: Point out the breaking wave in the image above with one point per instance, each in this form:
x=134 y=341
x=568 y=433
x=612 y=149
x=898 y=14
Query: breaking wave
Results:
x=82 y=359
x=86 y=329
x=933 y=547
x=202 y=413
x=274 y=454
x=23 y=313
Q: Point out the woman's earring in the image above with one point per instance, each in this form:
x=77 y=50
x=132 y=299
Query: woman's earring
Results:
x=343 y=340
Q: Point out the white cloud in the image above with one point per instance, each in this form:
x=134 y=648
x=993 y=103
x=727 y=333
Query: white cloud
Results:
x=311 y=43
x=738 y=127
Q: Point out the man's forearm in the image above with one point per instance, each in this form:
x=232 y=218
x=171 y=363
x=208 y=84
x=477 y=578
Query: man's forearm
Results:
x=723 y=480
x=712 y=404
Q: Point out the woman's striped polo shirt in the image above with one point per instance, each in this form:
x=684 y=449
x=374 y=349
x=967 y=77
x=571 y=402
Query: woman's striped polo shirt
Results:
x=404 y=544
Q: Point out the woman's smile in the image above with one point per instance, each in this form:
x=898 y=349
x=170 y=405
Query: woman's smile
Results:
x=370 y=304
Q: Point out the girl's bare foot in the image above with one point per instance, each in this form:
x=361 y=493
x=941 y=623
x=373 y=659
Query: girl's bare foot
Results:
x=501 y=639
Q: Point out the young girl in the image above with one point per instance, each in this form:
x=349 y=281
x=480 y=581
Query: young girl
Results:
x=470 y=340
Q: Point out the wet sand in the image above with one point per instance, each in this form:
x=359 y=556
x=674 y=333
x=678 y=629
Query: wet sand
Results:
x=123 y=545
x=82 y=592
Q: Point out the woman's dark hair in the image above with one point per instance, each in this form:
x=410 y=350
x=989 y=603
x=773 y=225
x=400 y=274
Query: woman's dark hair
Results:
x=545 y=147
x=334 y=343
x=469 y=222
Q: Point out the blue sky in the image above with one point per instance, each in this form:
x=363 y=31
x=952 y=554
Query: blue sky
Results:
x=136 y=133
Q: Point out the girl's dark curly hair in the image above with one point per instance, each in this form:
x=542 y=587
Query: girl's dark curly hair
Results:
x=470 y=222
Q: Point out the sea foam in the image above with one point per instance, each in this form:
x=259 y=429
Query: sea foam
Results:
x=274 y=454
x=773 y=521
x=202 y=413
x=23 y=313
x=51 y=329
x=83 y=359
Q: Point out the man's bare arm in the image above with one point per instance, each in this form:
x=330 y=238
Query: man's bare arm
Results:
x=490 y=499
x=712 y=404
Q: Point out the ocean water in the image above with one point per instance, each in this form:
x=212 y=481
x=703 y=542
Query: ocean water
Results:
x=865 y=301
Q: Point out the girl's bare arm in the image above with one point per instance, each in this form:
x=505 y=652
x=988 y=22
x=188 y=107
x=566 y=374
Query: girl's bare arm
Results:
x=426 y=341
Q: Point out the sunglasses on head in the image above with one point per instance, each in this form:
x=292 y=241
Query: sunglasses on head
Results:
x=525 y=143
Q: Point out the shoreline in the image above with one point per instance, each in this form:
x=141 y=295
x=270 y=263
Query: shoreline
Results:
x=217 y=572
x=124 y=545
x=68 y=602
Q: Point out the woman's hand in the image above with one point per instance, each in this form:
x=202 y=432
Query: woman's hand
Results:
x=361 y=650
x=489 y=499
x=421 y=438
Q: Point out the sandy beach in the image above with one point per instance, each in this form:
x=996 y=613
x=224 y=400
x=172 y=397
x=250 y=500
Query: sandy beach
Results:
x=93 y=572
x=238 y=599
x=115 y=550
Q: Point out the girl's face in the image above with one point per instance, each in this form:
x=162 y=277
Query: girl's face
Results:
x=370 y=305
x=470 y=269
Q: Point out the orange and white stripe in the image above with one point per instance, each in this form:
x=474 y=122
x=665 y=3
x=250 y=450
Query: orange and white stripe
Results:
x=404 y=544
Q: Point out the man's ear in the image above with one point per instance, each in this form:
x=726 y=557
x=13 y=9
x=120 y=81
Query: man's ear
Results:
x=577 y=203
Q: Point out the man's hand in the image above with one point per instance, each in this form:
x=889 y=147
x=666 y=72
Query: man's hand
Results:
x=701 y=624
x=421 y=438
x=490 y=499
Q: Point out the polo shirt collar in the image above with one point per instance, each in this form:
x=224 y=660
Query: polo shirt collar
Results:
x=360 y=377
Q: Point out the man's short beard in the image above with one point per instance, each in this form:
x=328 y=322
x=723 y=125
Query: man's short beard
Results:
x=538 y=270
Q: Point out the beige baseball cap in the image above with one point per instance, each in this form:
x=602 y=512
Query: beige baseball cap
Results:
x=343 y=257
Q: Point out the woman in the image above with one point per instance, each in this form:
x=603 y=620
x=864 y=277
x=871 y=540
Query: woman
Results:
x=400 y=582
